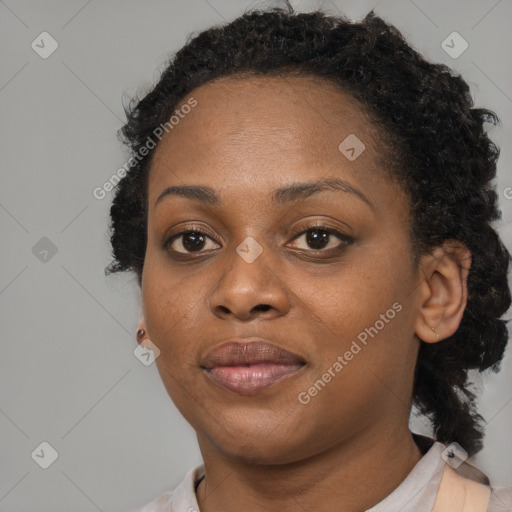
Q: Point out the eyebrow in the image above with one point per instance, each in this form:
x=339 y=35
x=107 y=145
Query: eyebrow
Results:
x=282 y=195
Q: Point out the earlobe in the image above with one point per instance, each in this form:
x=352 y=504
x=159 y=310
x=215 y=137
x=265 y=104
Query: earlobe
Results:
x=142 y=331
x=443 y=291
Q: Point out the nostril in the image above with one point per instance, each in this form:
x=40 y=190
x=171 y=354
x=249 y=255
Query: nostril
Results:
x=261 y=307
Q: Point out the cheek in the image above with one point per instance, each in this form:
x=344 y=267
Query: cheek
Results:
x=362 y=312
x=169 y=303
x=353 y=296
x=169 y=306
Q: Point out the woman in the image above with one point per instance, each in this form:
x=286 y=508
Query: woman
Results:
x=308 y=216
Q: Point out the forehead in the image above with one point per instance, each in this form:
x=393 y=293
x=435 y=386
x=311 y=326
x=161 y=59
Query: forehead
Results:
x=262 y=132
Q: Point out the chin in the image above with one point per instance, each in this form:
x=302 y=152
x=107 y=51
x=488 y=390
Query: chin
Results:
x=262 y=451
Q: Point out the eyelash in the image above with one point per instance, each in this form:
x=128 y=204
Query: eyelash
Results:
x=345 y=240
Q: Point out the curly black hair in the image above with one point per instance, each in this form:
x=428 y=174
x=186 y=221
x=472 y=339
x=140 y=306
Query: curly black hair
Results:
x=436 y=147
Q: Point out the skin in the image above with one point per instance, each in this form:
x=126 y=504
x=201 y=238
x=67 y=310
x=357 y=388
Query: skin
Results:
x=350 y=446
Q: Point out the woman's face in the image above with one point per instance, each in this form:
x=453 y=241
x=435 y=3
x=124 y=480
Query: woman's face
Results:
x=346 y=298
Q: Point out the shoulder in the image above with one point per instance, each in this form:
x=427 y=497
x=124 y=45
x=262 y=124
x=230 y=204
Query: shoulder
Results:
x=160 y=504
x=500 y=499
x=477 y=484
x=181 y=498
x=467 y=478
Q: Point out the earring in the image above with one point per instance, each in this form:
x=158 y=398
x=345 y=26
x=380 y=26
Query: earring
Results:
x=435 y=332
x=141 y=333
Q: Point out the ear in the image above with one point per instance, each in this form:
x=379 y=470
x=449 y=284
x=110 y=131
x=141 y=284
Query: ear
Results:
x=142 y=325
x=443 y=291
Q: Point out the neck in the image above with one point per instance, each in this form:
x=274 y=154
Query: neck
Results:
x=350 y=477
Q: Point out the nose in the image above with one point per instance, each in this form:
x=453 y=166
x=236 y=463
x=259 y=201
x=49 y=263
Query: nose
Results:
x=248 y=290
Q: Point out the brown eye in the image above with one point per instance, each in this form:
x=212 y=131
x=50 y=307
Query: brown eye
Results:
x=188 y=241
x=321 y=238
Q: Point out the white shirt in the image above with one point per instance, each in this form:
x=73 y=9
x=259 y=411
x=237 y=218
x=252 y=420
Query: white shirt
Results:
x=416 y=493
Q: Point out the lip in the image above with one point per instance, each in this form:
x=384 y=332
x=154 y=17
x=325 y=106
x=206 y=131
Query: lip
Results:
x=250 y=365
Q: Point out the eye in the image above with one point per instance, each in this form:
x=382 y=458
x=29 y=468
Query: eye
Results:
x=317 y=238
x=188 y=241
x=323 y=238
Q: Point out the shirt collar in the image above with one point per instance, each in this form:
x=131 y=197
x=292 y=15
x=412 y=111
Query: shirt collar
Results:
x=416 y=493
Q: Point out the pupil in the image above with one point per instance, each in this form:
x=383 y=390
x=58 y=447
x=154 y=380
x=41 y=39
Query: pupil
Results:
x=198 y=241
x=315 y=241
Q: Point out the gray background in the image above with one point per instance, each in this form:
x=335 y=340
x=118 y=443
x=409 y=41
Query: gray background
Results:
x=68 y=374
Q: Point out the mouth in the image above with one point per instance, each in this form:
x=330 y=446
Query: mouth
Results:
x=251 y=365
